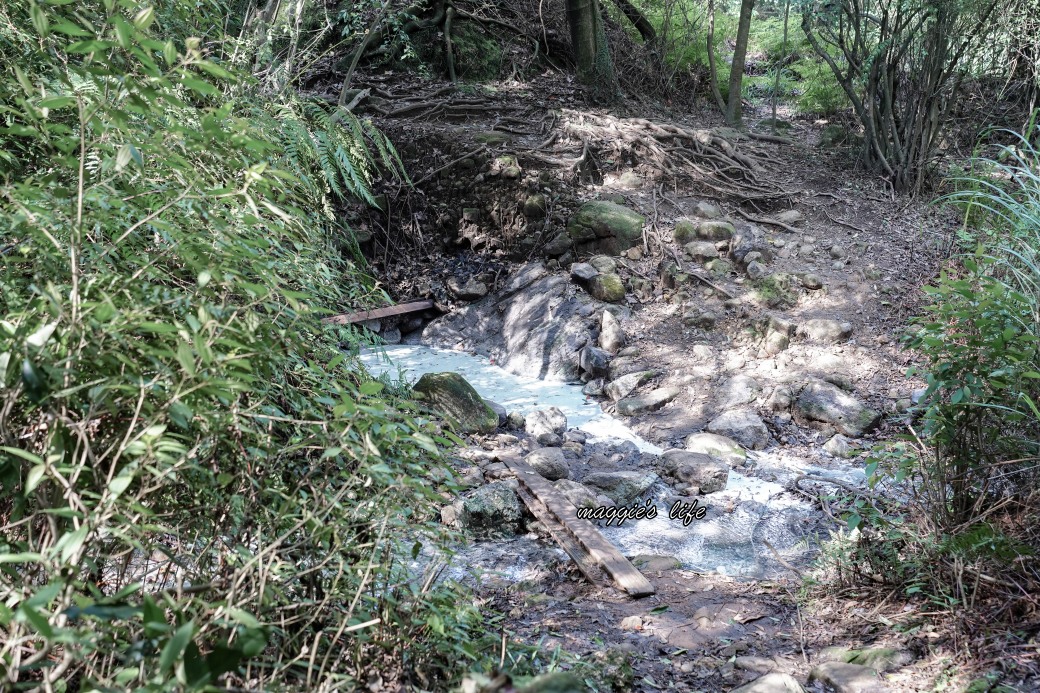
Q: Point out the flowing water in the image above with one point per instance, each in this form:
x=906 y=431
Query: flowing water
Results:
x=747 y=526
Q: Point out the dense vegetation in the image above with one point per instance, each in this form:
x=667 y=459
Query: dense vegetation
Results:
x=201 y=487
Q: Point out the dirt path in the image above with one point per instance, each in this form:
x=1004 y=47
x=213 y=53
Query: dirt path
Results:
x=852 y=254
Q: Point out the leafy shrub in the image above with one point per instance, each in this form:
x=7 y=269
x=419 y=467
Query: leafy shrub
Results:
x=198 y=486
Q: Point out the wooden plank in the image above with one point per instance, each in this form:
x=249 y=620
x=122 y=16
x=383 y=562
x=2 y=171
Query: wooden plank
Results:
x=582 y=531
x=348 y=318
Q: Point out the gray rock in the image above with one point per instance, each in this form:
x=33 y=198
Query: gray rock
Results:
x=708 y=474
x=652 y=401
x=391 y=335
x=549 y=462
x=706 y=210
x=714 y=445
x=838 y=446
x=653 y=563
x=550 y=420
x=744 y=427
x=756 y=270
x=775 y=342
x=697 y=317
x=594 y=388
x=772 y=683
x=594 y=361
x=790 y=216
x=470 y=291
x=749 y=238
x=837 y=252
x=535 y=325
x=621 y=487
x=879 y=659
x=738 y=391
x=781 y=398
x=557 y=245
x=492 y=510
x=583 y=271
x=623 y=365
x=812 y=282
x=611 y=334
x=701 y=250
x=714 y=230
x=605 y=226
x=827 y=403
x=825 y=330
x=843 y=677
x=622 y=387
x=579 y=495
x=604 y=263
x=451 y=395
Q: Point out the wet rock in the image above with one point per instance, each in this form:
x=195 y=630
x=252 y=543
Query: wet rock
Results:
x=622 y=387
x=706 y=210
x=492 y=510
x=594 y=361
x=839 y=446
x=847 y=678
x=583 y=271
x=545 y=422
x=534 y=206
x=825 y=330
x=535 y=325
x=516 y=420
x=827 y=403
x=695 y=469
x=772 y=683
x=744 y=427
x=739 y=390
x=701 y=250
x=607 y=288
x=611 y=334
x=606 y=226
x=451 y=395
x=500 y=411
x=594 y=388
x=621 y=487
x=604 y=263
x=714 y=445
x=391 y=335
x=652 y=401
x=549 y=462
x=652 y=563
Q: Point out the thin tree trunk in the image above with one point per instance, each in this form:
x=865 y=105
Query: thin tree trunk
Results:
x=713 y=73
x=783 y=59
x=639 y=21
x=736 y=72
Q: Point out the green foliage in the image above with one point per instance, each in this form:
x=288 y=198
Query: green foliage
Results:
x=199 y=487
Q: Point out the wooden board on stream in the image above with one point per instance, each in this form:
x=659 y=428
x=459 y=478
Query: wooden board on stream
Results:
x=596 y=557
x=386 y=312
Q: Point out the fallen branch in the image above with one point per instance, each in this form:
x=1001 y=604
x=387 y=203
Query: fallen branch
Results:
x=451 y=163
x=845 y=223
x=766 y=220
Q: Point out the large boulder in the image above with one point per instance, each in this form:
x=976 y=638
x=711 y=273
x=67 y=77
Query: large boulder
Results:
x=747 y=239
x=621 y=487
x=579 y=495
x=605 y=226
x=491 y=510
x=827 y=403
x=546 y=425
x=535 y=325
x=622 y=387
x=706 y=473
x=611 y=334
x=453 y=396
x=847 y=678
x=825 y=330
x=607 y=287
x=745 y=427
x=550 y=463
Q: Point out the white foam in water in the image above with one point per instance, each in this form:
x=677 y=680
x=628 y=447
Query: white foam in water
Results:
x=746 y=522
x=514 y=392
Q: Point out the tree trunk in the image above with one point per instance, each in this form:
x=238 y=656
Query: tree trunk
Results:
x=639 y=21
x=589 y=41
x=713 y=73
x=736 y=72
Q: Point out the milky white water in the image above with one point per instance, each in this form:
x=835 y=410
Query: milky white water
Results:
x=746 y=523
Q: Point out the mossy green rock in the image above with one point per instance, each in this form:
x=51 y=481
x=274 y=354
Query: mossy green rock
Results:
x=453 y=396
x=684 y=231
x=607 y=287
x=492 y=510
x=606 y=226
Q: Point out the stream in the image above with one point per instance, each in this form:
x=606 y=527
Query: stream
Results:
x=752 y=528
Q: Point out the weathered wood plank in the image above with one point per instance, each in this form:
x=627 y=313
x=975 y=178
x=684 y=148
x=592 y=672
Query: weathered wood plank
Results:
x=588 y=538
x=348 y=318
